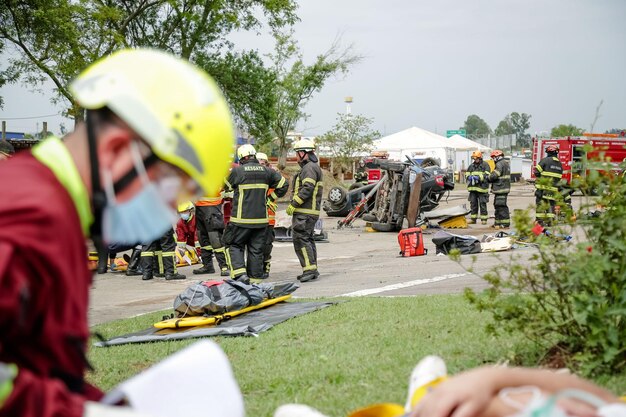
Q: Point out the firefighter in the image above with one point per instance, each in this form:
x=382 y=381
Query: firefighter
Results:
x=186 y=232
x=548 y=173
x=246 y=230
x=271 y=217
x=500 y=179
x=164 y=249
x=210 y=223
x=361 y=174
x=477 y=178
x=115 y=179
x=305 y=208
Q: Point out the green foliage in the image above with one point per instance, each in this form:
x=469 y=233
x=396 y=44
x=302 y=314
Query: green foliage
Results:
x=56 y=39
x=474 y=125
x=520 y=123
x=566 y=130
x=570 y=300
x=505 y=127
x=352 y=135
x=297 y=82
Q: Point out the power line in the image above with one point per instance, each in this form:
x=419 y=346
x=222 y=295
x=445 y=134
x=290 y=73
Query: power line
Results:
x=31 y=117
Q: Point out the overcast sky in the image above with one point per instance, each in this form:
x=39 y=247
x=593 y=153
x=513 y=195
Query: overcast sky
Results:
x=432 y=63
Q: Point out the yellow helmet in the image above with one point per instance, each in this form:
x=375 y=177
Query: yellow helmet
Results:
x=187 y=205
x=175 y=107
x=245 y=150
x=306 y=145
x=477 y=154
x=261 y=156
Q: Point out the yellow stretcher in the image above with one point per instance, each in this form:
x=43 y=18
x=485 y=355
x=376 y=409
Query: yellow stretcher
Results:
x=193 y=321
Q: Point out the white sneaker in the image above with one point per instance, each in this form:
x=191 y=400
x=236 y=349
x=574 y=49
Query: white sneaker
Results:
x=297 y=410
x=428 y=372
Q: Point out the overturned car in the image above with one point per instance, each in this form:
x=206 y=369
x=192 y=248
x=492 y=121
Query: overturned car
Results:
x=387 y=208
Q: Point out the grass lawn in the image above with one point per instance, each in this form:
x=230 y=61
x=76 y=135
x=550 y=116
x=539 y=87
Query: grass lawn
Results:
x=338 y=359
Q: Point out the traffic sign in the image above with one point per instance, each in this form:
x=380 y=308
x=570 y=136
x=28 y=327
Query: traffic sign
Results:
x=450 y=133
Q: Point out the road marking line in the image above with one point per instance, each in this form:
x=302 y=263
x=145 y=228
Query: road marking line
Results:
x=407 y=284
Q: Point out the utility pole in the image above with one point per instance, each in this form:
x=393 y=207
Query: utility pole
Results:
x=4 y=129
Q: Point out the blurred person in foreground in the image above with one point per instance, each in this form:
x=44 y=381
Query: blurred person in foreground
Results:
x=488 y=391
x=156 y=127
x=6 y=149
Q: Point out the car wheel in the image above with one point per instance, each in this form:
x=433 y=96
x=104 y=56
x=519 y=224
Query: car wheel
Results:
x=337 y=195
x=383 y=227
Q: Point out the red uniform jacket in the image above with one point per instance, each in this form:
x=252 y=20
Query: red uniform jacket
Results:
x=44 y=288
x=186 y=231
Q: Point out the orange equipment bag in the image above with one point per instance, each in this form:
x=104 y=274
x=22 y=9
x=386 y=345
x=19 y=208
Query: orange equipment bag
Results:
x=411 y=242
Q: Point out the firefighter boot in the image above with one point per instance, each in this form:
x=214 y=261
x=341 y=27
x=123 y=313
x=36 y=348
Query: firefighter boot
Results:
x=169 y=266
x=133 y=263
x=472 y=221
x=243 y=278
x=309 y=276
x=205 y=269
x=146 y=265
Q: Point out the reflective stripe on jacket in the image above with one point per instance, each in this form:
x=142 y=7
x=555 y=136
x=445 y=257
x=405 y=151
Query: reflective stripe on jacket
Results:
x=482 y=171
x=250 y=183
x=549 y=167
x=307 y=189
x=500 y=178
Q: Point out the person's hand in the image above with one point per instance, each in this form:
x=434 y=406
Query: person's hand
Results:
x=465 y=395
x=272 y=205
x=290 y=210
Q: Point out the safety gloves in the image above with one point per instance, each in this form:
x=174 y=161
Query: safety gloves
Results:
x=290 y=210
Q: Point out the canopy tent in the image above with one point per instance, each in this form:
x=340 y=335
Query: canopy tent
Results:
x=418 y=144
x=461 y=143
x=453 y=152
x=464 y=148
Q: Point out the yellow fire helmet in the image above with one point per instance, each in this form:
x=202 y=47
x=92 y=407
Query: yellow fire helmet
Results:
x=187 y=205
x=174 y=106
x=261 y=156
x=304 y=145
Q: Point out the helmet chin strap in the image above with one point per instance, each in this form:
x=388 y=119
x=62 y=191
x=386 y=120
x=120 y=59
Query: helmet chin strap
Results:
x=98 y=196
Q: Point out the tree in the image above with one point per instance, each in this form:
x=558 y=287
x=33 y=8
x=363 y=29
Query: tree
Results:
x=474 y=125
x=505 y=127
x=58 y=38
x=521 y=123
x=566 y=130
x=352 y=135
x=297 y=82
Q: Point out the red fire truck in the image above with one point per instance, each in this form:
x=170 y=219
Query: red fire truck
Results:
x=576 y=161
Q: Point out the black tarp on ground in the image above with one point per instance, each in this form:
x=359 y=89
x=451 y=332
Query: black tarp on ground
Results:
x=249 y=324
x=445 y=242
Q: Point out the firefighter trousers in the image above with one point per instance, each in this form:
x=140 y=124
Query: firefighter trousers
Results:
x=164 y=249
x=478 y=201
x=267 y=249
x=501 y=210
x=544 y=213
x=210 y=237
x=303 y=226
x=244 y=250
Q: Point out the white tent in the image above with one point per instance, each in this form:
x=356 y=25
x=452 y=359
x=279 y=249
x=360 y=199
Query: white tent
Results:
x=462 y=143
x=418 y=144
x=464 y=148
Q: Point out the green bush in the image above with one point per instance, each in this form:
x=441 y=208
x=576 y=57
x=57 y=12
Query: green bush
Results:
x=570 y=299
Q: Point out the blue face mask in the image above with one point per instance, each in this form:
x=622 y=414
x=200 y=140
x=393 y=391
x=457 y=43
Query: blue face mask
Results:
x=142 y=219
x=185 y=216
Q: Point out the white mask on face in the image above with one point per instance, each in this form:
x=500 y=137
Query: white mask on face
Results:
x=142 y=219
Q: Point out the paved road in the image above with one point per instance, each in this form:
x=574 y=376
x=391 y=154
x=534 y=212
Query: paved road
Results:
x=353 y=263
